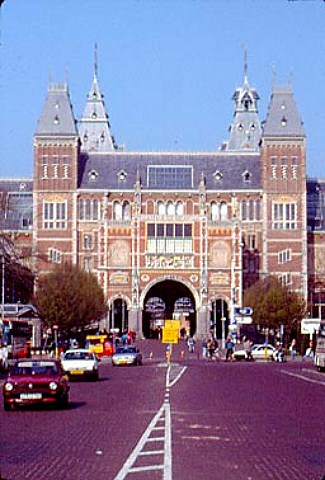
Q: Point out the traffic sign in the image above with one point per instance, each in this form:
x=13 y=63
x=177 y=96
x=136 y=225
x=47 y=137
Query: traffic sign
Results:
x=170 y=335
x=244 y=320
x=247 y=311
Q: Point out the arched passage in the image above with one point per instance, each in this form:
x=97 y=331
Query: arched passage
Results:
x=118 y=315
x=219 y=319
x=166 y=300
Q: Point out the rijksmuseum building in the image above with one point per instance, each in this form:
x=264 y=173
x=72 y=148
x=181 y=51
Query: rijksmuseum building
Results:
x=173 y=234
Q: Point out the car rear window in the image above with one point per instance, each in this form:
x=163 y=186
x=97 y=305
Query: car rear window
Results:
x=32 y=368
x=78 y=356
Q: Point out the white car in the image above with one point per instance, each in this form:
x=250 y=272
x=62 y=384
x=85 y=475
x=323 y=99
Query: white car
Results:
x=258 y=352
x=80 y=362
x=127 y=355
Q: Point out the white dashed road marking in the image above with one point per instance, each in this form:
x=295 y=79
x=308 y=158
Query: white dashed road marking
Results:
x=159 y=455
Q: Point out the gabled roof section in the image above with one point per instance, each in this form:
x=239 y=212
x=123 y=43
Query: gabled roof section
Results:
x=57 y=117
x=171 y=171
x=94 y=128
x=283 y=118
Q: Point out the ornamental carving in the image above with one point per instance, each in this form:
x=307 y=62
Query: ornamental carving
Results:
x=169 y=262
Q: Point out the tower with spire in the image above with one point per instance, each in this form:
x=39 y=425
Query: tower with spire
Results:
x=94 y=128
x=245 y=130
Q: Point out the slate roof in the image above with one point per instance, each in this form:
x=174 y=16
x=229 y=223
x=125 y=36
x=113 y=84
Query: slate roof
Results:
x=283 y=118
x=57 y=116
x=119 y=170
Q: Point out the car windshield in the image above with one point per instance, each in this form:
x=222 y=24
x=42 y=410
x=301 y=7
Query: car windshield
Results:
x=35 y=368
x=125 y=350
x=78 y=356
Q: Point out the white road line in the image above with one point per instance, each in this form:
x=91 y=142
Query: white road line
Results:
x=302 y=377
x=162 y=416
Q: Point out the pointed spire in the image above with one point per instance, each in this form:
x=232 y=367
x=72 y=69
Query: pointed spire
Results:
x=96 y=60
x=245 y=130
x=94 y=131
x=245 y=65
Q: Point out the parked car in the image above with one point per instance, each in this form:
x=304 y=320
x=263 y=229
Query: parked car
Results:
x=258 y=352
x=81 y=363
x=127 y=355
x=39 y=381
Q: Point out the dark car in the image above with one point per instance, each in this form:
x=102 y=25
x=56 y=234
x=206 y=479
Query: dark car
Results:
x=36 y=381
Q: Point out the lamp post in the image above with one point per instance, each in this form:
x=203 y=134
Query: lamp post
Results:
x=2 y=293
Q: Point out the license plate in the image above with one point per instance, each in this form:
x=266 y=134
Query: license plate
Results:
x=30 y=396
x=77 y=372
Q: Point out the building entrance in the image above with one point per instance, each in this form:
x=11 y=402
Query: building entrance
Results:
x=219 y=319
x=166 y=300
x=118 y=315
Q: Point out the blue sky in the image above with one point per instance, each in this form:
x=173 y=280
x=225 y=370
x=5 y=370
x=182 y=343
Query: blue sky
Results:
x=168 y=69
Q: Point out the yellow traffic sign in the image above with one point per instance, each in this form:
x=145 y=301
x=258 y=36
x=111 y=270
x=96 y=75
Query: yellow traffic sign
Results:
x=173 y=324
x=170 y=335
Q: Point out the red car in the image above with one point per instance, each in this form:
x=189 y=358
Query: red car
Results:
x=36 y=381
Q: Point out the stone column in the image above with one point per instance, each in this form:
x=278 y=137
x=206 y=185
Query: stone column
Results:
x=135 y=321
x=202 y=323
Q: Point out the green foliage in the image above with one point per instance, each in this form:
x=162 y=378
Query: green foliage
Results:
x=70 y=298
x=275 y=305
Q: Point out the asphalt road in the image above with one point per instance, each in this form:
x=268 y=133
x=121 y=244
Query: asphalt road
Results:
x=204 y=420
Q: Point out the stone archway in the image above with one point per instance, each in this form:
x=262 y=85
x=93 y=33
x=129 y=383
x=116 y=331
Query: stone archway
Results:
x=119 y=315
x=168 y=299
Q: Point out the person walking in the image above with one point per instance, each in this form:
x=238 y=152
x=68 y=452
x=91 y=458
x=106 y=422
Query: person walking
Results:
x=229 y=349
x=293 y=349
x=204 y=348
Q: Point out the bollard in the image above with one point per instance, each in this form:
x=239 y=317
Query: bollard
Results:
x=150 y=356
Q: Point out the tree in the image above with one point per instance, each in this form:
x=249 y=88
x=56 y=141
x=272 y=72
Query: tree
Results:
x=275 y=305
x=70 y=298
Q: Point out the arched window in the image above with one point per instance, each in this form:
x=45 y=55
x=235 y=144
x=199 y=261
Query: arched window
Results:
x=117 y=211
x=179 y=209
x=95 y=210
x=244 y=210
x=87 y=210
x=170 y=209
x=258 y=209
x=223 y=211
x=81 y=209
x=251 y=210
x=126 y=211
x=161 y=209
x=214 y=211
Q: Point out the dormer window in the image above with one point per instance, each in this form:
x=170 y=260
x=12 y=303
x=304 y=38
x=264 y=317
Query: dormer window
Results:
x=240 y=127
x=218 y=176
x=102 y=137
x=85 y=137
x=246 y=176
x=94 y=115
x=122 y=175
x=283 y=106
x=22 y=186
x=56 y=120
x=253 y=127
x=93 y=175
x=283 y=121
x=57 y=105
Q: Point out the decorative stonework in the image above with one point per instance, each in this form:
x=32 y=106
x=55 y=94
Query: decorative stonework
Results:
x=119 y=278
x=169 y=261
x=119 y=254
x=220 y=254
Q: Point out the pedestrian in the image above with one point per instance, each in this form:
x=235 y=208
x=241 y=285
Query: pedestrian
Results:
x=204 y=348
x=4 y=357
x=293 y=349
x=191 y=344
x=309 y=352
x=229 y=349
x=248 y=349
